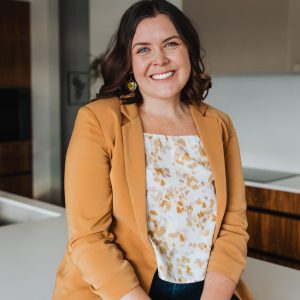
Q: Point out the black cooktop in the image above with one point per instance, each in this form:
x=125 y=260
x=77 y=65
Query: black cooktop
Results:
x=264 y=176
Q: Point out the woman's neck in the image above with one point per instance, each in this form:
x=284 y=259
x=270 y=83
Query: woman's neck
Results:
x=164 y=108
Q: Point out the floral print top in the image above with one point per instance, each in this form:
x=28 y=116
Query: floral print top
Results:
x=181 y=206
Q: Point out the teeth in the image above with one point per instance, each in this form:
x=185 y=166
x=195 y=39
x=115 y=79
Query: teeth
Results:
x=162 y=76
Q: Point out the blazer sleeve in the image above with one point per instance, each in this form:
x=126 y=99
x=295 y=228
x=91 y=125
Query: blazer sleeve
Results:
x=229 y=251
x=88 y=195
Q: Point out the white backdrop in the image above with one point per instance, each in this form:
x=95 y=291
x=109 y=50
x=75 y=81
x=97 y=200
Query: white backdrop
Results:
x=266 y=113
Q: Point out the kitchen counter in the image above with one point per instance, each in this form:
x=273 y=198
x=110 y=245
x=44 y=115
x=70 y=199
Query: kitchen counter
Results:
x=31 y=251
x=291 y=185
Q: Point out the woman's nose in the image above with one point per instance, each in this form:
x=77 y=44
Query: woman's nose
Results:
x=160 y=58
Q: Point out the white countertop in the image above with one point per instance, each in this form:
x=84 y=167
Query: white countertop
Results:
x=30 y=254
x=291 y=185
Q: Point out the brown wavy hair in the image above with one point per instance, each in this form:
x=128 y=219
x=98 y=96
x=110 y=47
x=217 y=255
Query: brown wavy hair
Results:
x=115 y=64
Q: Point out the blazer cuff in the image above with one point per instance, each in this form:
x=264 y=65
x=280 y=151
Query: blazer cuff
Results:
x=231 y=268
x=118 y=287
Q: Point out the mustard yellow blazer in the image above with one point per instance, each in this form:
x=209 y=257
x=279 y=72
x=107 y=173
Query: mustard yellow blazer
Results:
x=108 y=252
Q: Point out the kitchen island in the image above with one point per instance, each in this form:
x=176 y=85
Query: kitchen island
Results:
x=31 y=251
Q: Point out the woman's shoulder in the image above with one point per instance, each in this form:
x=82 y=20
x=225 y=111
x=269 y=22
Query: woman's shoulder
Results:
x=104 y=106
x=101 y=112
x=213 y=112
x=224 y=120
x=104 y=110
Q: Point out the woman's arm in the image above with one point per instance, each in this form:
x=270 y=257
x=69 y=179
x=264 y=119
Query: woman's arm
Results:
x=88 y=197
x=136 y=294
x=229 y=251
x=217 y=286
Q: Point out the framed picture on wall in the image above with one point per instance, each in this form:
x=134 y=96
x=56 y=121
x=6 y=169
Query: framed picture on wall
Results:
x=78 y=88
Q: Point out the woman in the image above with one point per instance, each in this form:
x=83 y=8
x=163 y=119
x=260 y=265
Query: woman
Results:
x=153 y=181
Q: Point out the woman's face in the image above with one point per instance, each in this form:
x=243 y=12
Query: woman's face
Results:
x=160 y=60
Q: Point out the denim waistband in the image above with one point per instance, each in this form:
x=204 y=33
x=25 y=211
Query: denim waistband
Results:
x=164 y=290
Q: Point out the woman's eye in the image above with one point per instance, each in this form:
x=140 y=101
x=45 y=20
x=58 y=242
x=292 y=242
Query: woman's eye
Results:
x=172 y=44
x=143 y=50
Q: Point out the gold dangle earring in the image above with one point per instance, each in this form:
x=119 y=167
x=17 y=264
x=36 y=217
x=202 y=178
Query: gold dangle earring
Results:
x=131 y=84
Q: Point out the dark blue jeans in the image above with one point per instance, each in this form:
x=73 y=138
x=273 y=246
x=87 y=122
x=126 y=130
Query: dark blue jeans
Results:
x=164 y=290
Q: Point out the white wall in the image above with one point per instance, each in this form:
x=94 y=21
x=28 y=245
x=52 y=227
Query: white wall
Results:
x=266 y=113
x=45 y=100
x=104 y=18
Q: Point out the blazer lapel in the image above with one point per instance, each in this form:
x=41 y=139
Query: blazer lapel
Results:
x=211 y=137
x=135 y=165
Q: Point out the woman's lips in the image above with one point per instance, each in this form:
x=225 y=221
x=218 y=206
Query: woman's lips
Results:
x=162 y=76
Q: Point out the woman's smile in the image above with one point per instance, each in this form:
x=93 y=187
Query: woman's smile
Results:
x=162 y=76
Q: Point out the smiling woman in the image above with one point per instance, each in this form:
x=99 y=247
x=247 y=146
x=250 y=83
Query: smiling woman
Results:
x=154 y=186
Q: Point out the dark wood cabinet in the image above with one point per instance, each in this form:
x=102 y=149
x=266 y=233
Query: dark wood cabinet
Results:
x=15 y=44
x=16 y=167
x=274 y=226
x=15 y=103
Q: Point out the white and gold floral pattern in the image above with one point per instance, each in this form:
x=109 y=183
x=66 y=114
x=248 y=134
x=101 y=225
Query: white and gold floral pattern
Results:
x=181 y=206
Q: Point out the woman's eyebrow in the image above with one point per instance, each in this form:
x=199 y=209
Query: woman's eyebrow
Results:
x=171 y=37
x=146 y=43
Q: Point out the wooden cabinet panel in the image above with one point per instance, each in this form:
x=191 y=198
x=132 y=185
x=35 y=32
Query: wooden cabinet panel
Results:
x=15 y=44
x=257 y=37
x=274 y=226
x=279 y=201
x=17 y=184
x=279 y=236
x=15 y=157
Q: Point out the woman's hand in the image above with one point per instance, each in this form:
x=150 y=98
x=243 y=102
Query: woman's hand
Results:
x=136 y=294
x=217 y=286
